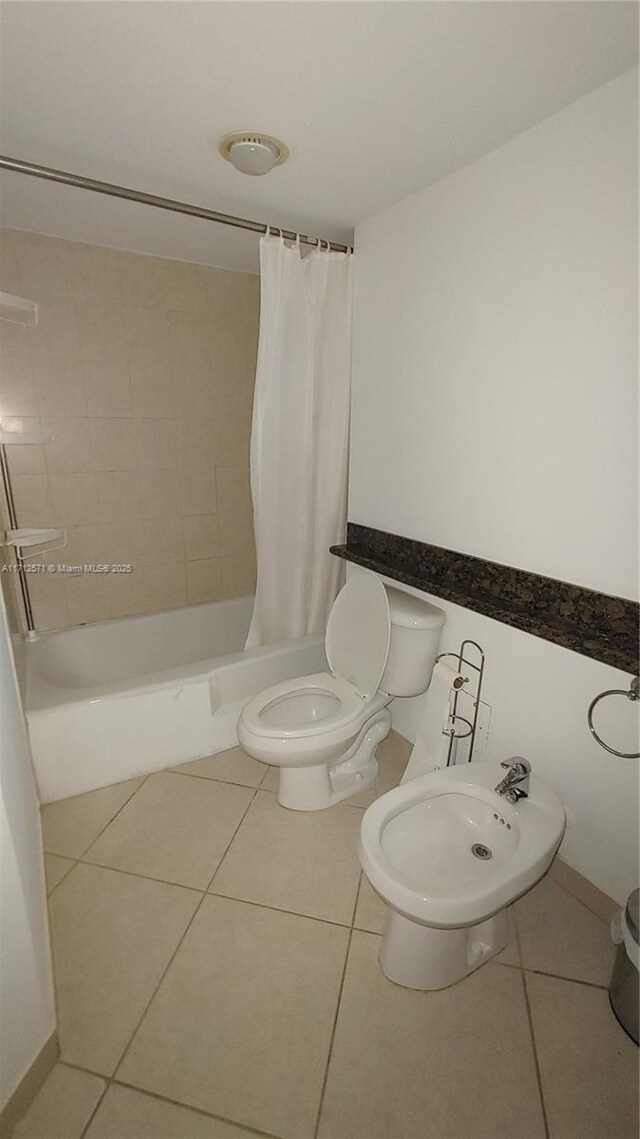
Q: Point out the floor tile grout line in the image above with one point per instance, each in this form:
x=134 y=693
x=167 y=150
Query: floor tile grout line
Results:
x=73 y=861
x=112 y=1080
x=333 y=1033
x=536 y=1061
x=569 y=980
x=279 y=910
x=577 y=899
x=269 y=766
x=231 y=840
x=338 y=1004
x=137 y=874
x=176 y=950
x=534 y=1046
x=96 y=1108
x=123 y=1055
x=107 y=824
x=213 y=894
x=197 y=1110
x=208 y=778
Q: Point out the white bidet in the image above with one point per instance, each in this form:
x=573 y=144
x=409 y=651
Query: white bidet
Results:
x=448 y=855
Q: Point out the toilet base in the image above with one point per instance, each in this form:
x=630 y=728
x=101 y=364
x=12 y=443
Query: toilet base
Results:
x=423 y=957
x=313 y=788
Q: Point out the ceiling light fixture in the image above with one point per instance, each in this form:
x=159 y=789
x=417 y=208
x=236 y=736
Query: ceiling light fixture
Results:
x=252 y=152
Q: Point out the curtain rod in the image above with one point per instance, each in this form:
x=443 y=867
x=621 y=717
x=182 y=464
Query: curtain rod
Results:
x=52 y=175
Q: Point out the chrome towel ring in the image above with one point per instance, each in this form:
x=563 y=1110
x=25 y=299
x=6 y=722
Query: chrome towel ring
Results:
x=632 y=694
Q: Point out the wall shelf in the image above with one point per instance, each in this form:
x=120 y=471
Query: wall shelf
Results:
x=17 y=309
x=24 y=438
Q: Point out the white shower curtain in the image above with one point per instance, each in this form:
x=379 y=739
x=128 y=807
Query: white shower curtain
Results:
x=299 y=439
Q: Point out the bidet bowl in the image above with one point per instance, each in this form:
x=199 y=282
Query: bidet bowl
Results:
x=445 y=850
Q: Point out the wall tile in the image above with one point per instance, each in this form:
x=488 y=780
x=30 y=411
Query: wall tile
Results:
x=56 y=332
x=234 y=490
x=184 y=286
x=113 y=445
x=231 y=443
x=101 y=329
x=14 y=337
x=198 y=491
x=95 y=273
x=10 y=281
x=59 y=385
x=201 y=536
x=159 y=493
x=98 y=543
x=159 y=540
x=24 y=460
x=107 y=386
x=148 y=589
x=147 y=331
x=204 y=580
x=74 y=498
x=159 y=444
x=151 y=387
x=46 y=267
x=70 y=448
x=138 y=368
x=49 y=600
x=17 y=391
x=118 y=495
x=236 y=532
x=198 y=443
x=88 y=597
x=141 y=279
x=32 y=499
x=238 y=576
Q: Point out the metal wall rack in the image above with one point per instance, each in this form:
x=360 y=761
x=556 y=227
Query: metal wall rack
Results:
x=472 y=724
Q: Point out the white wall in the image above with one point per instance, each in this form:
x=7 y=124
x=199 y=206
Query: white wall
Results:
x=27 y=1013
x=494 y=412
x=495 y=353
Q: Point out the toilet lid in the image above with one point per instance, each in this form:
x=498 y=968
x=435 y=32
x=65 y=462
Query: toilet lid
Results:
x=358 y=631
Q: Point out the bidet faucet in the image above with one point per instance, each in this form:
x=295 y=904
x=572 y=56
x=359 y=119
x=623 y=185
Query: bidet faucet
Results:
x=515 y=784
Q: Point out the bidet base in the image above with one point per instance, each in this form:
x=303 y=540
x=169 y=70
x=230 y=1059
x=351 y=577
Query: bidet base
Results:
x=423 y=957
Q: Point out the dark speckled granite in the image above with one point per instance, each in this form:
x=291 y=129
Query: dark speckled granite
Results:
x=594 y=624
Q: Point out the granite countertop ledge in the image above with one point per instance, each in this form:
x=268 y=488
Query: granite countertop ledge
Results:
x=593 y=624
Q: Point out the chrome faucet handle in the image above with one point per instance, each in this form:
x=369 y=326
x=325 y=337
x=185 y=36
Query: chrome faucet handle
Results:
x=521 y=764
x=515 y=784
x=514 y=794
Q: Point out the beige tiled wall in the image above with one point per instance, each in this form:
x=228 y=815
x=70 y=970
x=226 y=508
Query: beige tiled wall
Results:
x=142 y=370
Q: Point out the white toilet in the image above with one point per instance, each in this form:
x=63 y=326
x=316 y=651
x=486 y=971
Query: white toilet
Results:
x=322 y=730
x=448 y=855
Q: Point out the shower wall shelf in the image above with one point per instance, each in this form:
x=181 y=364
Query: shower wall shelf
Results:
x=28 y=536
x=17 y=309
x=18 y=538
x=24 y=438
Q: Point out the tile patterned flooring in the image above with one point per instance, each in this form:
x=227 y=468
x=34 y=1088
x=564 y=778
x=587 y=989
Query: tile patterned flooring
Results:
x=217 y=978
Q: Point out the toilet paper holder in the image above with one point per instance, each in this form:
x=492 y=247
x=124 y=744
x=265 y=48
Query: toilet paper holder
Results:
x=456 y=717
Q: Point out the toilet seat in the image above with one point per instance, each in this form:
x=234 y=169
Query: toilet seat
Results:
x=322 y=730
x=327 y=709
x=273 y=714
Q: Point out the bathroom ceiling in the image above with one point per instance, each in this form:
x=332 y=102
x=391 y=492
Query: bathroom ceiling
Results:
x=374 y=100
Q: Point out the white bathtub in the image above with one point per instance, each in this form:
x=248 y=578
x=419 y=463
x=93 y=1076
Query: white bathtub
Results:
x=110 y=701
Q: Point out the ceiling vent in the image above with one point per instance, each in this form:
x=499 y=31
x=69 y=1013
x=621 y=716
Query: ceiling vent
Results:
x=252 y=152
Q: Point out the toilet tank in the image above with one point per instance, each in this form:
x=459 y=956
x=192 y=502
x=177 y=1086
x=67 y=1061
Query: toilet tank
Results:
x=416 y=627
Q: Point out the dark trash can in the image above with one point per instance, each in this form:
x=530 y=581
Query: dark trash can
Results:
x=623 y=990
